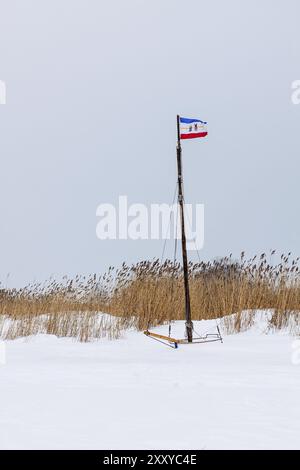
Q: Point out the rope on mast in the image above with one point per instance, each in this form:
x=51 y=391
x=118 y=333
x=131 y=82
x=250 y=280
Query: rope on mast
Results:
x=165 y=241
x=174 y=261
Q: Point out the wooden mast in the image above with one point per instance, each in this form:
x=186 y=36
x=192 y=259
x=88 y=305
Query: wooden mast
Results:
x=188 y=323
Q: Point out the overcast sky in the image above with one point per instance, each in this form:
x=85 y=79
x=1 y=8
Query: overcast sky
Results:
x=93 y=89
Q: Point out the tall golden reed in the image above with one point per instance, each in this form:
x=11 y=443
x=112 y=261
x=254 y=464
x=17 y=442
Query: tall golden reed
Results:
x=150 y=293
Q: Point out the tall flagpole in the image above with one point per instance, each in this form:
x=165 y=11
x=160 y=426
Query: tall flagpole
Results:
x=188 y=322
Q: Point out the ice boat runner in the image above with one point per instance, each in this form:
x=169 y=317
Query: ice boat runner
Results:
x=186 y=129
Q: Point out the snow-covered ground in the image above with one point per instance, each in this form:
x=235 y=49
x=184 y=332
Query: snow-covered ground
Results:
x=136 y=393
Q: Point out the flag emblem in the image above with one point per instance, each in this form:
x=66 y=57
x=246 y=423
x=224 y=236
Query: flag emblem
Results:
x=192 y=128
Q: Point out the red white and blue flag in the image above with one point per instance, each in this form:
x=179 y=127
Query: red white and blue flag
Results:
x=192 y=128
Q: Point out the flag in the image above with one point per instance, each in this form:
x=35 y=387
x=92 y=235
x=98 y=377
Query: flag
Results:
x=192 y=128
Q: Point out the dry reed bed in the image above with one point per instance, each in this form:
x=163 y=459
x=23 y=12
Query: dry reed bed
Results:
x=150 y=293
